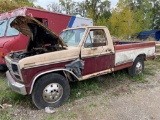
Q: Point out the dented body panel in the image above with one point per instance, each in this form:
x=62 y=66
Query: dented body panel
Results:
x=90 y=53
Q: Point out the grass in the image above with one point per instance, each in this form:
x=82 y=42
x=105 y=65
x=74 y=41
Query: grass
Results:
x=6 y=114
x=92 y=104
x=62 y=115
x=72 y=115
x=84 y=88
x=10 y=97
x=49 y=117
x=100 y=84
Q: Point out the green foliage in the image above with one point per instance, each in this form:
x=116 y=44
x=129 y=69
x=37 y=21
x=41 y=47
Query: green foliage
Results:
x=143 y=8
x=139 y=14
x=121 y=22
x=54 y=7
x=81 y=8
x=128 y=18
x=65 y=6
x=10 y=97
x=68 y=6
x=50 y=117
x=155 y=16
x=84 y=88
x=7 y=5
x=6 y=114
x=72 y=115
x=121 y=75
x=98 y=10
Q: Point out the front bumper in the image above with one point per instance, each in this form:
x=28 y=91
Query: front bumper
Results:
x=15 y=86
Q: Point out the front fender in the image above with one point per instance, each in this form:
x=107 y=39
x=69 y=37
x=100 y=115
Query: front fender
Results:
x=49 y=71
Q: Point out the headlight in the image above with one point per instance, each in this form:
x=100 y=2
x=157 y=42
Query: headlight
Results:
x=15 y=68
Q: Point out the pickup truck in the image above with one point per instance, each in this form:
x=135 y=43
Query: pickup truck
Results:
x=50 y=62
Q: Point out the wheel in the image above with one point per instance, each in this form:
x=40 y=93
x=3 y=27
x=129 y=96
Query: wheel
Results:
x=50 y=90
x=137 y=67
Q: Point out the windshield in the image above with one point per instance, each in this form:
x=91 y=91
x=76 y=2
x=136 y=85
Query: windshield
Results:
x=11 y=31
x=3 y=24
x=72 y=37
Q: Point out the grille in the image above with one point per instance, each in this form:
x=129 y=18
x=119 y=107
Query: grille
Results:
x=15 y=68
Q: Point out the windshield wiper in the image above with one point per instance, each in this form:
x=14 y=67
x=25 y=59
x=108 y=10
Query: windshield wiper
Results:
x=1 y=22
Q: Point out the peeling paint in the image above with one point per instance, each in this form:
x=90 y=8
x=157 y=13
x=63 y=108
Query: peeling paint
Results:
x=16 y=12
x=19 y=12
x=130 y=55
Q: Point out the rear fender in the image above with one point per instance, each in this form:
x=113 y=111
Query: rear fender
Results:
x=143 y=56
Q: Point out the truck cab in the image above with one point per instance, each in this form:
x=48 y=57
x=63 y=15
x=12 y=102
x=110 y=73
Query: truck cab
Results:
x=95 y=48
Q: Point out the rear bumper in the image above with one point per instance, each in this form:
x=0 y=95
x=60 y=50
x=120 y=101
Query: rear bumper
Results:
x=15 y=86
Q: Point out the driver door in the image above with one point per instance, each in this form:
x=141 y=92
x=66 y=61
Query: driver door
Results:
x=95 y=52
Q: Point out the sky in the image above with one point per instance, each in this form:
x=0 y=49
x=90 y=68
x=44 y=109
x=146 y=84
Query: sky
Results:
x=44 y=3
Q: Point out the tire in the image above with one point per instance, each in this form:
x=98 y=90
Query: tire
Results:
x=137 y=68
x=50 y=90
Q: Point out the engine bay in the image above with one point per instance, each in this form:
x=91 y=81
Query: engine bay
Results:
x=34 y=51
x=40 y=38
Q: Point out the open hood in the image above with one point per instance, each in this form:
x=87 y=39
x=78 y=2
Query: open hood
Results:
x=39 y=35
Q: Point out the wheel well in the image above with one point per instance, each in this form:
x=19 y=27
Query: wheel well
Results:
x=143 y=56
x=66 y=74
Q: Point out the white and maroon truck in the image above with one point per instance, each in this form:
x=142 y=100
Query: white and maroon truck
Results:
x=51 y=62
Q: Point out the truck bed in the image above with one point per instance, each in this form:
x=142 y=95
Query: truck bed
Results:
x=126 y=52
x=132 y=45
x=124 y=42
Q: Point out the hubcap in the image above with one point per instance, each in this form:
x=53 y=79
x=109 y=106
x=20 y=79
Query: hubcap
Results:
x=138 y=68
x=52 y=92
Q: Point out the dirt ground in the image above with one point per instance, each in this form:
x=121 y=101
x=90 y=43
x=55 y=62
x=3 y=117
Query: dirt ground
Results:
x=125 y=101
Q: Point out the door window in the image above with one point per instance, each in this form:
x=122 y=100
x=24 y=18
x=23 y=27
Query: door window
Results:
x=96 y=38
x=3 y=24
x=11 y=31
